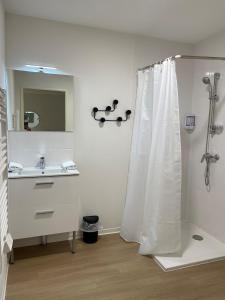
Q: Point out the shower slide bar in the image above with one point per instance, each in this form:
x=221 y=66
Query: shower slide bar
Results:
x=182 y=57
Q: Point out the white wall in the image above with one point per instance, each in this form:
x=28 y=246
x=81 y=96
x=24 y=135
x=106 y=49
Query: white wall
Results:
x=207 y=209
x=3 y=259
x=28 y=147
x=2 y=46
x=104 y=64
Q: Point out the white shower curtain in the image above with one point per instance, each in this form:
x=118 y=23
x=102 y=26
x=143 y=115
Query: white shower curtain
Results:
x=152 y=214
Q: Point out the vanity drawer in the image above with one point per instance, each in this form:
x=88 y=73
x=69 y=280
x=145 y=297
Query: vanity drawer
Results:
x=28 y=222
x=46 y=191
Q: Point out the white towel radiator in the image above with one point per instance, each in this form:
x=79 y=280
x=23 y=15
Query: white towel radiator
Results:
x=4 y=234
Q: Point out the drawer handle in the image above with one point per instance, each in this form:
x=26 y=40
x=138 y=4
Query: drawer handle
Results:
x=44 y=182
x=44 y=212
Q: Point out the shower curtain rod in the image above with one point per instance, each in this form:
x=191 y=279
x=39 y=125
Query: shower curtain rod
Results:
x=183 y=57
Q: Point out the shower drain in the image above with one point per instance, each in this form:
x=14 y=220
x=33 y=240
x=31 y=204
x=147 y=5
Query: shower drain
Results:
x=197 y=237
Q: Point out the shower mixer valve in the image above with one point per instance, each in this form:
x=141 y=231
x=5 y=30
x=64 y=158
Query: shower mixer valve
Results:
x=216 y=129
x=210 y=157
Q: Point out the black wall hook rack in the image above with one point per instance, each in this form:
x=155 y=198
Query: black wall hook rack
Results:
x=109 y=109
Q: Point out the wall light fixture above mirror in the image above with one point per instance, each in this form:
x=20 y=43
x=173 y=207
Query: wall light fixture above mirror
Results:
x=39 y=101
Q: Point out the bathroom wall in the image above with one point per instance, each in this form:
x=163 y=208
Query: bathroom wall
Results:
x=2 y=46
x=104 y=64
x=207 y=208
x=3 y=258
x=28 y=147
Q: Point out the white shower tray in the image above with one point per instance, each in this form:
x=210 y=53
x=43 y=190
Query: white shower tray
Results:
x=194 y=252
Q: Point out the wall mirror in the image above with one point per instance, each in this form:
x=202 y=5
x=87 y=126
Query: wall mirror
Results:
x=38 y=101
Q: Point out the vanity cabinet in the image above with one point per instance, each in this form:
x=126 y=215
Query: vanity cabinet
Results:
x=43 y=205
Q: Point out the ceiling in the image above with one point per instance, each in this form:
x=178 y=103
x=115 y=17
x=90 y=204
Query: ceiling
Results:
x=178 y=20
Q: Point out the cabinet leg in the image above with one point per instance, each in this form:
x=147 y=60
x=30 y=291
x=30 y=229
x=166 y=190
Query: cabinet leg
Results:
x=11 y=257
x=73 y=242
x=44 y=240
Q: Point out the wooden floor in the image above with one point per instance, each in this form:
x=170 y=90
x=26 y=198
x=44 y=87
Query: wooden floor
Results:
x=108 y=270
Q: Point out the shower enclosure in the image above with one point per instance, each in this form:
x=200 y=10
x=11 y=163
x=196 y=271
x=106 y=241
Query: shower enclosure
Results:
x=196 y=211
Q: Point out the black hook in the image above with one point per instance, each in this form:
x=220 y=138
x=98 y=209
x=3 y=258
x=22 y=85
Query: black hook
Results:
x=115 y=102
x=102 y=120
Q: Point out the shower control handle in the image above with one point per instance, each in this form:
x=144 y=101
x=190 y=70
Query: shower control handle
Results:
x=203 y=158
x=216 y=129
x=215 y=157
x=209 y=157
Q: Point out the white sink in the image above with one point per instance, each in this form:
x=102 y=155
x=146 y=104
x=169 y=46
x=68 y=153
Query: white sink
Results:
x=48 y=171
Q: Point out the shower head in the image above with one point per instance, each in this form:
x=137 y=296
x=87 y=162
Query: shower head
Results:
x=216 y=76
x=206 y=80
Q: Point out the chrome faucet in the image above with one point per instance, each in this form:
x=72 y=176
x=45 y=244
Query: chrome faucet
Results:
x=42 y=162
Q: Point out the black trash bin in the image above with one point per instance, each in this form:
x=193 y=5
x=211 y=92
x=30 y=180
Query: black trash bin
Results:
x=90 y=229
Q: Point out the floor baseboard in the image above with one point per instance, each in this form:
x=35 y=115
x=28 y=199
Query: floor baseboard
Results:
x=59 y=237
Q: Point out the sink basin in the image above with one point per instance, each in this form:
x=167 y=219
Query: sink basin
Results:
x=48 y=171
